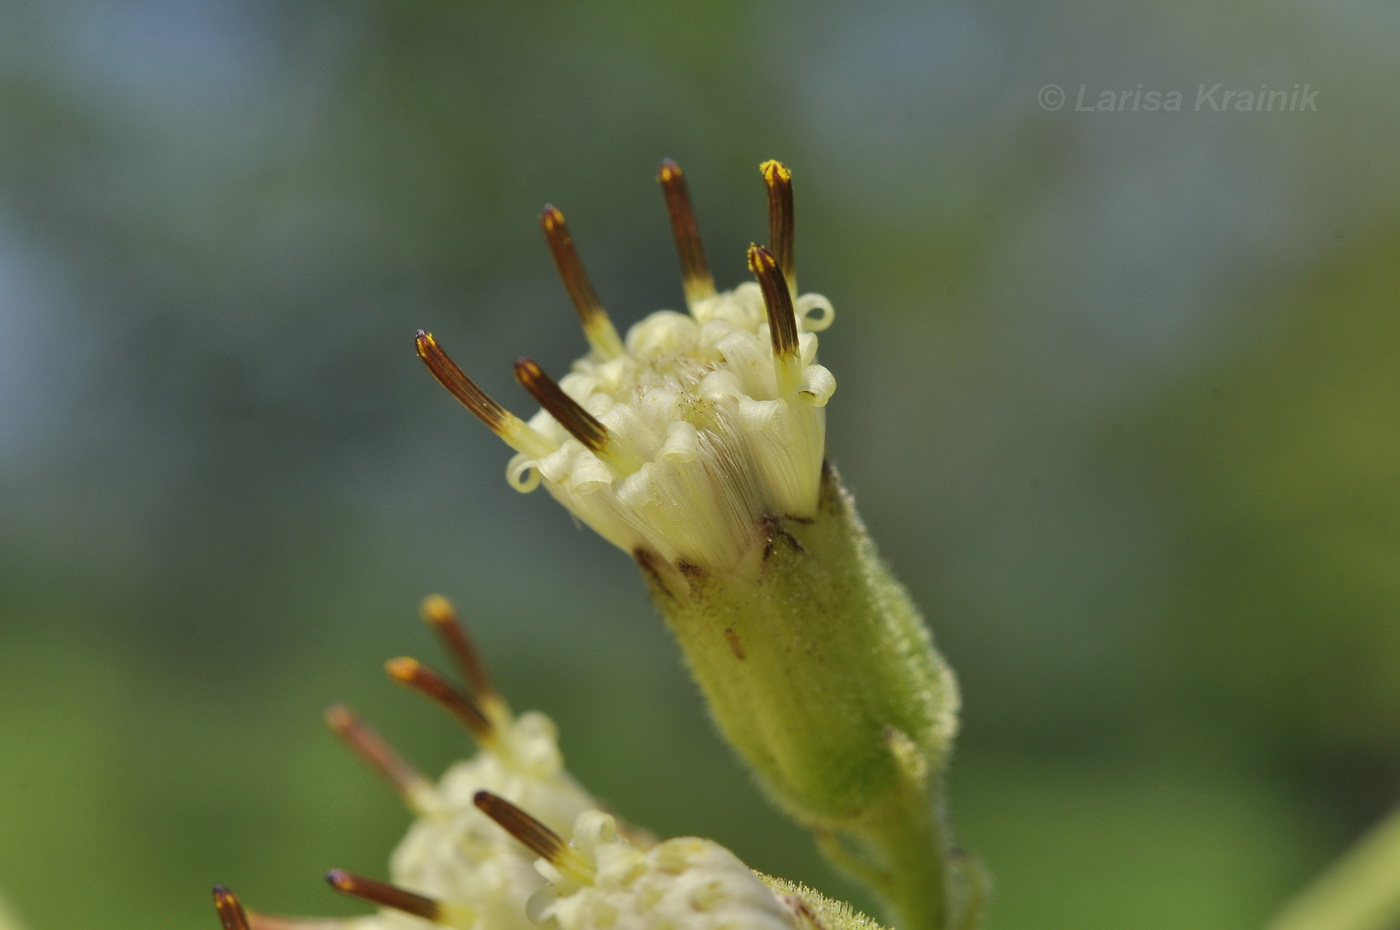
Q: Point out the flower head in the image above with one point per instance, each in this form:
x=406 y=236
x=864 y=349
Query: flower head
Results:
x=681 y=439
x=454 y=868
x=475 y=860
x=601 y=881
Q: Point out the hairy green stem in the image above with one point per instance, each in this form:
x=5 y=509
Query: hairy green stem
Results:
x=820 y=671
x=910 y=837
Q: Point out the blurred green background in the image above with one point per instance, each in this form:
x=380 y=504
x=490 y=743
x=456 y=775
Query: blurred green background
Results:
x=1119 y=396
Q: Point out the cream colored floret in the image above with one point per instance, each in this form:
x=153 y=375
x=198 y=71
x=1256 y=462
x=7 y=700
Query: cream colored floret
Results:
x=696 y=400
x=680 y=884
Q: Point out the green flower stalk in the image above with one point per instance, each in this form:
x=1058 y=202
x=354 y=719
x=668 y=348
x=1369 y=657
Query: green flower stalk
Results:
x=697 y=445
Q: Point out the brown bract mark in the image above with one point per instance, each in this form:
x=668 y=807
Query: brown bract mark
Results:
x=771 y=525
x=690 y=570
x=803 y=911
x=735 y=646
x=652 y=565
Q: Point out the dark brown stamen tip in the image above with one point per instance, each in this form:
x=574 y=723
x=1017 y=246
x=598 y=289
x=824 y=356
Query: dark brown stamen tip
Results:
x=780 y=219
x=782 y=321
x=413 y=674
x=384 y=894
x=231 y=913
x=541 y=840
x=459 y=385
x=581 y=424
x=442 y=617
x=566 y=260
x=597 y=326
x=371 y=747
x=695 y=270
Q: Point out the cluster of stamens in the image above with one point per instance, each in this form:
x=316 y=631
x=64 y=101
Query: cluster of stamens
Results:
x=681 y=439
x=488 y=850
x=451 y=844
